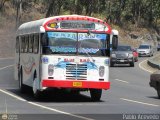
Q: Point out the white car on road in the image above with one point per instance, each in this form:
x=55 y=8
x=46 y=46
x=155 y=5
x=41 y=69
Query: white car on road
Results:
x=145 y=50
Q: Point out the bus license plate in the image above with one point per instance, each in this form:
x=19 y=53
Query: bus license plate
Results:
x=77 y=84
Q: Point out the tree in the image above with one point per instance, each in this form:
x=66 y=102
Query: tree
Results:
x=2 y=2
x=54 y=7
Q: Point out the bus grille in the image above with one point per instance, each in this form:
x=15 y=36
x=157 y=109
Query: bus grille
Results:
x=76 y=72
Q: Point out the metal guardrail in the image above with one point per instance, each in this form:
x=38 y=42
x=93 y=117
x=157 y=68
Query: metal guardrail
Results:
x=153 y=64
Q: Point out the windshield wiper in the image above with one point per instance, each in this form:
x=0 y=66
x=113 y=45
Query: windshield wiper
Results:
x=89 y=56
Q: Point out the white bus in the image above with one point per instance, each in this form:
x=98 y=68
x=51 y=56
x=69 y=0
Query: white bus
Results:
x=64 y=52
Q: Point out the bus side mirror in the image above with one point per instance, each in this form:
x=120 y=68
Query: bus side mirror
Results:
x=44 y=39
x=114 y=42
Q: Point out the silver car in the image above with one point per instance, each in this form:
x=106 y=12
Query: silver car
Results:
x=145 y=50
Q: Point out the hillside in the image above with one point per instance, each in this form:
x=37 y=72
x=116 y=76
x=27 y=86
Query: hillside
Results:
x=129 y=33
x=7 y=40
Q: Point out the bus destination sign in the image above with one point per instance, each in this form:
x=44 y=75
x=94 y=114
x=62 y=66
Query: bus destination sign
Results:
x=77 y=25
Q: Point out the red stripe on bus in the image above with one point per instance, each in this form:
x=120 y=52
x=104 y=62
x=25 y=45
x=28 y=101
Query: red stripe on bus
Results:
x=76 y=17
x=69 y=84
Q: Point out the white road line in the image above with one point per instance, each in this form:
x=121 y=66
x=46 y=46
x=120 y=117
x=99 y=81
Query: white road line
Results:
x=6 y=67
x=21 y=99
x=35 y=104
x=44 y=107
x=139 y=102
x=55 y=110
x=140 y=65
x=121 y=81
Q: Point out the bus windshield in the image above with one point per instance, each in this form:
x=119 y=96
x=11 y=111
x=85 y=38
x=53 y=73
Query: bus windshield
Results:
x=76 y=43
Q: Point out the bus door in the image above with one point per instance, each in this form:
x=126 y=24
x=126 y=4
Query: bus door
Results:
x=17 y=58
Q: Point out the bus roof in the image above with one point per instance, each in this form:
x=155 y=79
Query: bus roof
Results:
x=40 y=26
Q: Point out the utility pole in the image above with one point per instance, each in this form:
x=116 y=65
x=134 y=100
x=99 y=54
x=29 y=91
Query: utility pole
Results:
x=19 y=13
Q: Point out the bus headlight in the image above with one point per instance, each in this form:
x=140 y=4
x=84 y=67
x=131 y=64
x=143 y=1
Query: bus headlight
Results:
x=50 y=69
x=101 y=71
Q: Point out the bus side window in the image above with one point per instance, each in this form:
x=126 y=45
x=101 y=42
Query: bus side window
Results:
x=26 y=44
x=36 y=43
x=17 y=45
x=31 y=43
x=22 y=44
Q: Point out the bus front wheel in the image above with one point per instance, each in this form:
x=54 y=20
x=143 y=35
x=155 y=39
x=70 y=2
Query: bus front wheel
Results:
x=36 y=92
x=95 y=94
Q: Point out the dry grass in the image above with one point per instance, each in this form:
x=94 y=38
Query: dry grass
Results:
x=157 y=58
x=141 y=34
x=7 y=41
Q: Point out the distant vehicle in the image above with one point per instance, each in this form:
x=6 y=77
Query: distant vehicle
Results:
x=158 y=47
x=155 y=82
x=122 y=55
x=135 y=54
x=145 y=50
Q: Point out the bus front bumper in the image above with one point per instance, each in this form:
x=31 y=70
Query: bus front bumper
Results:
x=76 y=84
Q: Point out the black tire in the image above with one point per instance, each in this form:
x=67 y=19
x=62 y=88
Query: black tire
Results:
x=136 y=60
x=151 y=54
x=158 y=90
x=132 y=64
x=75 y=92
x=111 y=64
x=37 y=94
x=95 y=94
x=22 y=87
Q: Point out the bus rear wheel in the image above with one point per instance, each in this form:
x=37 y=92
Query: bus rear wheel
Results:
x=20 y=79
x=95 y=94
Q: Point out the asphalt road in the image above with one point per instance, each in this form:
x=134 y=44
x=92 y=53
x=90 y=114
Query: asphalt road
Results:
x=130 y=94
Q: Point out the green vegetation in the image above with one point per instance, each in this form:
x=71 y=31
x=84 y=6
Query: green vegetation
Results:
x=140 y=13
x=136 y=20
